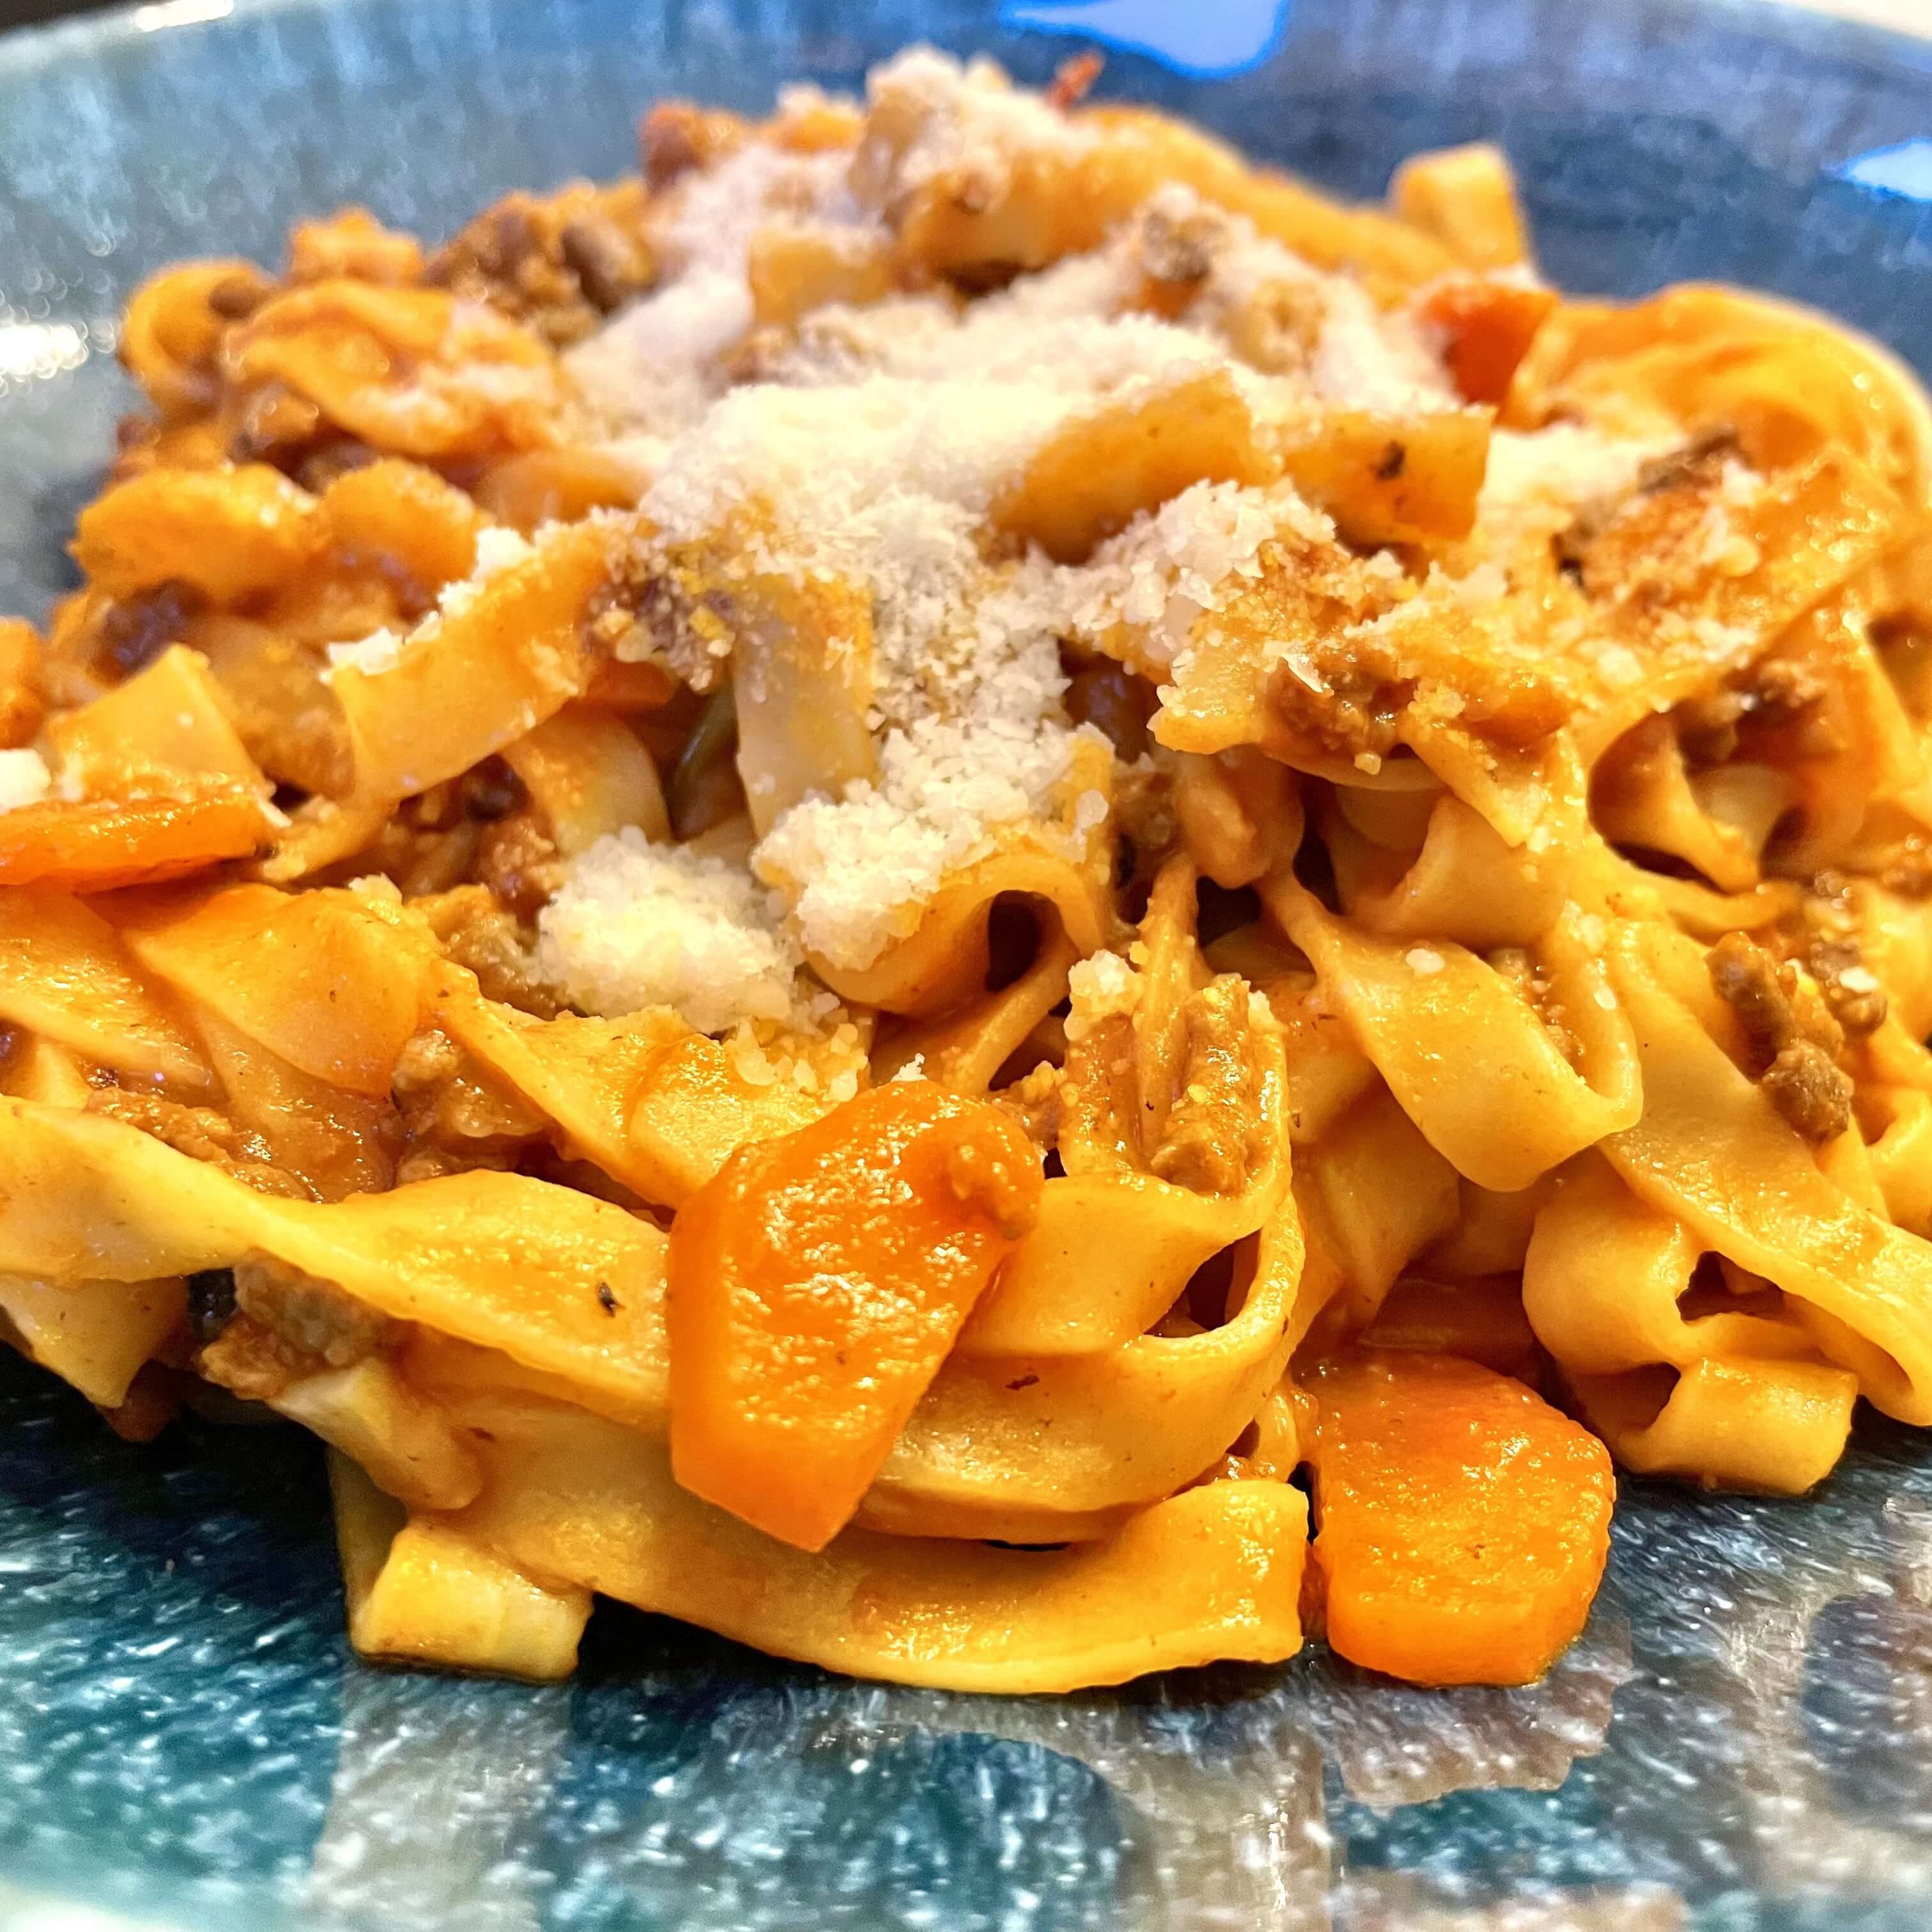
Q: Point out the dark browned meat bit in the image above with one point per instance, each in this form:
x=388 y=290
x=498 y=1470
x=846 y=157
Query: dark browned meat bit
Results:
x=1178 y=250
x=237 y=296
x=134 y=630
x=1810 y=1092
x=491 y=791
x=317 y=468
x=604 y=260
x=559 y=264
x=674 y=137
x=1712 y=444
x=1832 y=951
x=1703 y=455
x=313 y=1314
x=1794 y=1040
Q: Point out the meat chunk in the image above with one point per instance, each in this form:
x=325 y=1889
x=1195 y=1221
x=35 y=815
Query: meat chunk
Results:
x=1794 y=1040
x=315 y=1315
x=1804 y=1084
x=203 y=1135
x=1213 y=1139
x=456 y=1117
x=1829 y=928
x=558 y=262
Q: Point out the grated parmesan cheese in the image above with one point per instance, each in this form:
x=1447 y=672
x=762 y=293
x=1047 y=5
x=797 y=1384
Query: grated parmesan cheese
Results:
x=24 y=779
x=636 y=925
x=371 y=656
x=498 y=549
x=1537 y=480
x=1098 y=988
x=868 y=453
x=965 y=121
x=860 y=869
x=656 y=367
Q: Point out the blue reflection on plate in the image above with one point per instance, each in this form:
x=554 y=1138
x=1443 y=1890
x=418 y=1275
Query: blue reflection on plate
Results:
x=1210 y=43
x=1742 y=1738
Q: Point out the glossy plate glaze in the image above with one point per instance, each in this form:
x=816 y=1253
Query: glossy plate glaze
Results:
x=1743 y=1738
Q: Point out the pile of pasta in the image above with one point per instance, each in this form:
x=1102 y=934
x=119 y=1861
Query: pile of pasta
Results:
x=1446 y=1011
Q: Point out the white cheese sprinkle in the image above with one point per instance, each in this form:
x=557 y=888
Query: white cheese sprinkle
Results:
x=637 y=924
x=24 y=779
x=1099 y=987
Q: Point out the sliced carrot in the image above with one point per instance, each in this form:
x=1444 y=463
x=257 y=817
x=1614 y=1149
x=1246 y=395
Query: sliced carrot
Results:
x=1464 y=1522
x=92 y=845
x=1487 y=327
x=816 y=1284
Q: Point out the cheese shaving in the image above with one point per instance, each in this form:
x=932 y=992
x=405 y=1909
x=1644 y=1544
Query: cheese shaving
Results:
x=636 y=925
x=24 y=779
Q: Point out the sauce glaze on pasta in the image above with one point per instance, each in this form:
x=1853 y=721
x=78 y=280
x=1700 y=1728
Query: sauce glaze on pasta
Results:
x=843 y=888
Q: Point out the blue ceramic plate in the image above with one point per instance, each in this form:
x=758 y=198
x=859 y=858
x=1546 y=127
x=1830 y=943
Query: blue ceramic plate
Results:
x=1742 y=1738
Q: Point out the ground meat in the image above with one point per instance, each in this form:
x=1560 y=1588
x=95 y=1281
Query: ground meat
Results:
x=1832 y=951
x=135 y=631
x=1358 y=716
x=1212 y=1141
x=491 y=791
x=270 y=422
x=1807 y=1087
x=455 y=1118
x=559 y=263
x=675 y=136
x=1793 y=1039
x=1783 y=695
x=1072 y=78
x=1149 y=825
x=203 y=1135
x=1037 y=1096
x=251 y=1359
x=311 y=1315
x=478 y=932
x=317 y=468
x=1907 y=867
x=517 y=861
x=609 y=265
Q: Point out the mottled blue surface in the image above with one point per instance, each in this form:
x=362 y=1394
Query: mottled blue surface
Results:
x=1743 y=1739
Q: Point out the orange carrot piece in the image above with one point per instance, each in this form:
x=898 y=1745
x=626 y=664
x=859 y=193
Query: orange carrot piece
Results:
x=93 y=845
x=816 y=1284
x=1464 y=1522
x=1487 y=327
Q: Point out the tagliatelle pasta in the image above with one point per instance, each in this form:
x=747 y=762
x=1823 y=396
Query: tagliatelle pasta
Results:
x=912 y=887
